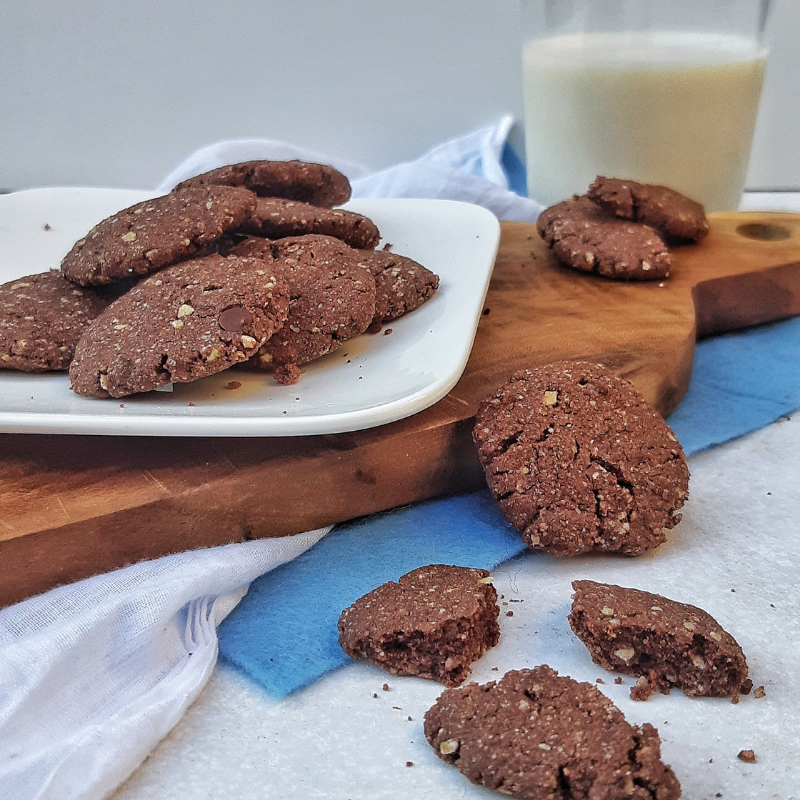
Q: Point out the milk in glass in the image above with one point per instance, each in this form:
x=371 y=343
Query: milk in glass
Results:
x=671 y=108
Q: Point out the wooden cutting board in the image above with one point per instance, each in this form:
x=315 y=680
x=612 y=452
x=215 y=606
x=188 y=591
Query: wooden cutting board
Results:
x=74 y=506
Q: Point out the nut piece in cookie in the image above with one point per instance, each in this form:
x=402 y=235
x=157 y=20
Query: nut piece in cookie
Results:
x=276 y=219
x=537 y=735
x=578 y=461
x=156 y=233
x=661 y=208
x=317 y=184
x=584 y=236
x=665 y=642
x=332 y=300
x=434 y=622
x=401 y=285
x=186 y=322
x=41 y=319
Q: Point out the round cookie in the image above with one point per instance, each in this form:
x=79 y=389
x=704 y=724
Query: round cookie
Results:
x=662 y=642
x=41 y=319
x=317 y=184
x=661 y=208
x=434 y=622
x=190 y=320
x=332 y=300
x=536 y=735
x=156 y=233
x=578 y=461
x=276 y=218
x=584 y=236
x=401 y=285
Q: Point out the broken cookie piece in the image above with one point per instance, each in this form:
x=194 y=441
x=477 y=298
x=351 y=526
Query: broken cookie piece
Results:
x=578 y=461
x=434 y=622
x=537 y=735
x=662 y=642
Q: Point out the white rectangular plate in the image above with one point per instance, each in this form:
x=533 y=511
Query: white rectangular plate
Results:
x=371 y=380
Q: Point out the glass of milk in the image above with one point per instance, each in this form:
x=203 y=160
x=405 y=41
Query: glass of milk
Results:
x=660 y=91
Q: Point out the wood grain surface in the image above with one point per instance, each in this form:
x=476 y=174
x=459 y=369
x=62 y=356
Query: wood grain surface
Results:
x=74 y=506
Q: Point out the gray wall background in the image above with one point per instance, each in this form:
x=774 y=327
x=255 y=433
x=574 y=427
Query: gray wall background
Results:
x=105 y=93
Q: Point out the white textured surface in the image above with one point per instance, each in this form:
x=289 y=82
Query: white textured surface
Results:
x=336 y=740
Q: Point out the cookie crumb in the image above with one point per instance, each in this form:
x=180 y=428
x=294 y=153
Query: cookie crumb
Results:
x=387 y=331
x=233 y=385
x=385 y=687
x=618 y=681
x=735 y=699
x=191 y=403
x=760 y=692
x=409 y=763
x=375 y=694
x=46 y=226
x=409 y=719
x=748 y=756
x=509 y=613
x=746 y=687
x=122 y=405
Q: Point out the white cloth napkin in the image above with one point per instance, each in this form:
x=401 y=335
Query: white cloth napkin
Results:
x=94 y=674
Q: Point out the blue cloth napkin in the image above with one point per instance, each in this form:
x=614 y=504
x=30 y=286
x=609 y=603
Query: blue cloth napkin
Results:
x=284 y=633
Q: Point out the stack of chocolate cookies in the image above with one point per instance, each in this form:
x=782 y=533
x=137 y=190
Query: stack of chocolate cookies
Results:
x=249 y=263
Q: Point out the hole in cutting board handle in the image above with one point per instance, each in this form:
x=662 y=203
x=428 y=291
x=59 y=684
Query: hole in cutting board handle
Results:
x=763 y=232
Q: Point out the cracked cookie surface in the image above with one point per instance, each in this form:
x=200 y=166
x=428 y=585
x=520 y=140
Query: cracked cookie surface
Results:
x=537 y=735
x=578 y=461
x=186 y=322
x=435 y=621
x=661 y=208
x=149 y=236
x=332 y=300
x=585 y=236
x=42 y=317
x=305 y=181
x=660 y=640
x=276 y=218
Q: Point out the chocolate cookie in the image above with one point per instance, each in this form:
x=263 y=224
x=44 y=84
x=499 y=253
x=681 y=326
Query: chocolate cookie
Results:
x=332 y=300
x=661 y=208
x=317 y=184
x=41 y=319
x=401 y=285
x=578 y=461
x=667 y=643
x=434 y=622
x=189 y=321
x=590 y=239
x=276 y=219
x=156 y=233
x=539 y=736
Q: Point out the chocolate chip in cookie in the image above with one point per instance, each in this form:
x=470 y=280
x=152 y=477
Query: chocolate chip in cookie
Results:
x=537 y=735
x=664 y=209
x=317 y=184
x=188 y=321
x=156 y=233
x=42 y=317
x=276 y=218
x=578 y=461
x=585 y=236
x=660 y=641
x=434 y=622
